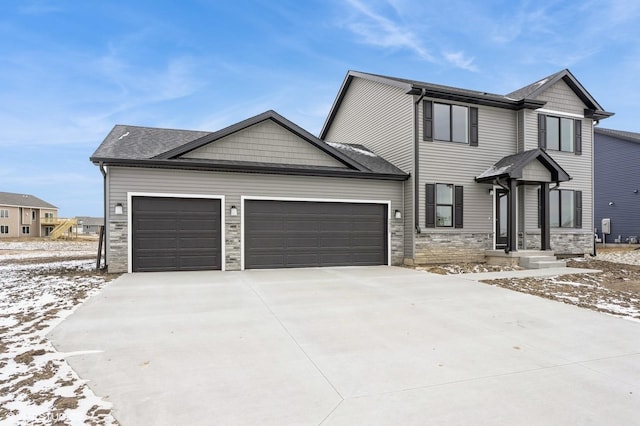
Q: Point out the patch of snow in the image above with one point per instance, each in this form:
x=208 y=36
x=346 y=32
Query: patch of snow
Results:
x=351 y=148
x=123 y=136
x=495 y=171
x=631 y=257
x=34 y=298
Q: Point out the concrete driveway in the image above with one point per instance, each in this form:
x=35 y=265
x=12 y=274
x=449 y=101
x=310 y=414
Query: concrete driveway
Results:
x=346 y=346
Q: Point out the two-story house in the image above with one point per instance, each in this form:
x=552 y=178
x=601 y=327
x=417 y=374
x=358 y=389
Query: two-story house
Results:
x=24 y=215
x=506 y=172
x=403 y=172
x=617 y=184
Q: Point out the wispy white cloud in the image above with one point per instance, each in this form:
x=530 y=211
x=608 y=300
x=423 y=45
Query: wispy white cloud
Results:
x=380 y=31
x=460 y=60
x=394 y=30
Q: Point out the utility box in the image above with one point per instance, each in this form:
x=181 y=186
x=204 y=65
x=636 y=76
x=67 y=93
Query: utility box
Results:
x=606 y=225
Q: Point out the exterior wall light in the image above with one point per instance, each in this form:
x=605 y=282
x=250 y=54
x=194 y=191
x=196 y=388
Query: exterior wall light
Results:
x=233 y=211
x=398 y=214
x=118 y=209
x=611 y=203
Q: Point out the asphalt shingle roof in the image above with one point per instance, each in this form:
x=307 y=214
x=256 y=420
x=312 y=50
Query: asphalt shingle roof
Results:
x=156 y=147
x=512 y=166
x=23 y=200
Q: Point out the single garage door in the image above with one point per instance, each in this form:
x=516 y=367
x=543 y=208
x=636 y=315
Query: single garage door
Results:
x=175 y=234
x=294 y=234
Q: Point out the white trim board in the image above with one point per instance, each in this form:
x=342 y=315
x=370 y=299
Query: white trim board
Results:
x=318 y=200
x=174 y=195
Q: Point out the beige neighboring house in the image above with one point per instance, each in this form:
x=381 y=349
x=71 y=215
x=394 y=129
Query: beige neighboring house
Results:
x=88 y=225
x=24 y=215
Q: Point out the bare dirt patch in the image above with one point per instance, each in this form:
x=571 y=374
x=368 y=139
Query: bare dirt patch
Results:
x=615 y=290
x=42 y=282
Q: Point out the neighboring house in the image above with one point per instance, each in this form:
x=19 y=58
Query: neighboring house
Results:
x=88 y=225
x=617 y=184
x=487 y=171
x=403 y=172
x=24 y=215
x=262 y=193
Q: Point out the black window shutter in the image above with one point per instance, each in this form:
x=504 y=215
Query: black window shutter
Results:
x=458 y=201
x=578 y=209
x=427 y=111
x=542 y=131
x=430 y=200
x=473 y=128
x=577 y=144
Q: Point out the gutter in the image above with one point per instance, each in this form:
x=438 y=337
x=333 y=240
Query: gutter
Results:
x=416 y=162
x=103 y=170
x=250 y=168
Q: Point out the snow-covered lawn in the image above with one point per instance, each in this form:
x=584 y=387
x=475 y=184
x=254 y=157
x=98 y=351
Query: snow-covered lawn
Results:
x=38 y=289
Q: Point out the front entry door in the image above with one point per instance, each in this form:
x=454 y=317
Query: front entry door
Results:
x=501 y=218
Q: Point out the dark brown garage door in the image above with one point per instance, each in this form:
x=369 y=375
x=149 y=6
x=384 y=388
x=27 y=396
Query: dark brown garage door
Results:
x=293 y=234
x=175 y=234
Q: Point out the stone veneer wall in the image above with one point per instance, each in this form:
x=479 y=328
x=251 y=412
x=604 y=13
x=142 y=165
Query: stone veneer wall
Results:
x=563 y=243
x=397 y=242
x=450 y=247
x=118 y=252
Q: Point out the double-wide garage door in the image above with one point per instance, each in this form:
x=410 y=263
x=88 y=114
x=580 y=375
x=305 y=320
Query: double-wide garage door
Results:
x=293 y=234
x=175 y=234
x=182 y=234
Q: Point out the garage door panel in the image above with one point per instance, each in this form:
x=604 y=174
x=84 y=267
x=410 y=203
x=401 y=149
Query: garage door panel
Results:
x=171 y=234
x=303 y=234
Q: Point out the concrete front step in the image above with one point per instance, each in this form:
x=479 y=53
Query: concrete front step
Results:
x=541 y=262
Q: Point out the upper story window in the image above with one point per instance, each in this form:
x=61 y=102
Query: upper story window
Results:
x=4 y=213
x=48 y=215
x=33 y=215
x=560 y=133
x=450 y=123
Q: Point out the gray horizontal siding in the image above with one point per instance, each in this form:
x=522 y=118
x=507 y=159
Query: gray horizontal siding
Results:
x=265 y=142
x=459 y=164
x=234 y=185
x=579 y=167
x=380 y=117
x=616 y=178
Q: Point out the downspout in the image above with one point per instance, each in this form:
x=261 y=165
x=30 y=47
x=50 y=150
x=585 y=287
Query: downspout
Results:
x=416 y=162
x=103 y=170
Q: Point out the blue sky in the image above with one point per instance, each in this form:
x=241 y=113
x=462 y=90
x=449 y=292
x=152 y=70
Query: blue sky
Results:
x=71 y=70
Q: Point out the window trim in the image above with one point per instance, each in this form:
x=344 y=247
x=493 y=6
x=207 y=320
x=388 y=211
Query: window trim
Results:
x=26 y=230
x=4 y=213
x=428 y=129
x=4 y=229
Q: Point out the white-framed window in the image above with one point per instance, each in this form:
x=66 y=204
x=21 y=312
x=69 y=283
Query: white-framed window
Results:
x=4 y=213
x=4 y=229
x=26 y=230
